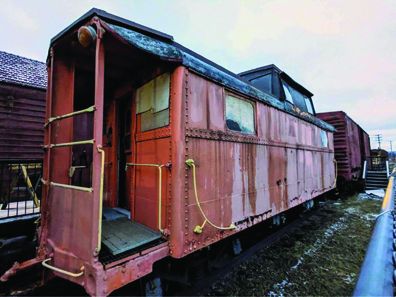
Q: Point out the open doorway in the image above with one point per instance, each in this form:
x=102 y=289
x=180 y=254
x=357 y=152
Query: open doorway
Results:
x=124 y=150
x=121 y=233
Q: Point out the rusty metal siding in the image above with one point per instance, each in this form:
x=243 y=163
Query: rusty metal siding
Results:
x=351 y=144
x=244 y=178
x=22 y=112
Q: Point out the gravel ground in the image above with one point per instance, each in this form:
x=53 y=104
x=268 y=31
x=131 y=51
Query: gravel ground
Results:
x=322 y=258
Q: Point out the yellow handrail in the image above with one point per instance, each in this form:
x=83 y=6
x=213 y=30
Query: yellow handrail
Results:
x=99 y=245
x=72 y=274
x=85 y=189
x=90 y=141
x=68 y=115
x=198 y=229
x=159 y=189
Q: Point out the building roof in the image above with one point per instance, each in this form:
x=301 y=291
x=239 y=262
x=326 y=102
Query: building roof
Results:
x=22 y=71
x=164 y=47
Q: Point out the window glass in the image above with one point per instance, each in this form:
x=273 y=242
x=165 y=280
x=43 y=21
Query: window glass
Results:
x=298 y=99
x=287 y=92
x=239 y=115
x=308 y=103
x=263 y=83
x=154 y=95
x=153 y=103
x=323 y=137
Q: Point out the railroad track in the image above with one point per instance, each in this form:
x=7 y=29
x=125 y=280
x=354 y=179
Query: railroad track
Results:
x=202 y=286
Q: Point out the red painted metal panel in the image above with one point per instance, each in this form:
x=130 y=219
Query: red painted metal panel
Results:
x=71 y=223
x=241 y=178
x=154 y=151
x=61 y=131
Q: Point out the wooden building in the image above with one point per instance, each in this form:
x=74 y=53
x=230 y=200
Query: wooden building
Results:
x=23 y=84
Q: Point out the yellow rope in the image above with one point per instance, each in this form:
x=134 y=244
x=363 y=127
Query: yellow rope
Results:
x=198 y=229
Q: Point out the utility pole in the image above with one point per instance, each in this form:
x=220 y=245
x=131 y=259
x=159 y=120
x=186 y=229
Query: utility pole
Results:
x=390 y=142
x=378 y=137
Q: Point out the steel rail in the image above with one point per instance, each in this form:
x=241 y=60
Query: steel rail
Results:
x=376 y=276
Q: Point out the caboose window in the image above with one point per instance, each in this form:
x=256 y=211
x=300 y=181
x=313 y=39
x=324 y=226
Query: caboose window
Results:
x=298 y=99
x=323 y=137
x=308 y=103
x=153 y=103
x=239 y=115
x=287 y=92
x=263 y=83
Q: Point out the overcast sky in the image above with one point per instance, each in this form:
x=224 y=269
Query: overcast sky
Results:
x=342 y=51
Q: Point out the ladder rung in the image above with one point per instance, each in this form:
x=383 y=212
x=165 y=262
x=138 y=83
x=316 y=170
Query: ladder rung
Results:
x=68 y=115
x=85 y=189
x=90 y=141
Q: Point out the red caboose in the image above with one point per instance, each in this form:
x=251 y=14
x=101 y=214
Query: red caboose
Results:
x=153 y=151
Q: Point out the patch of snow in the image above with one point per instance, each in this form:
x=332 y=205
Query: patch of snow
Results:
x=378 y=192
x=372 y=194
x=352 y=210
x=279 y=288
x=349 y=279
x=299 y=262
x=369 y=216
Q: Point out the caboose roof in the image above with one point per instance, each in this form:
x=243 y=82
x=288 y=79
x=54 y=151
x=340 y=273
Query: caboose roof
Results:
x=22 y=71
x=258 y=71
x=164 y=47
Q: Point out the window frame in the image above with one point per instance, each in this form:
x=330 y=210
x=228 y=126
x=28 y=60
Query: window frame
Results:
x=151 y=111
x=254 y=105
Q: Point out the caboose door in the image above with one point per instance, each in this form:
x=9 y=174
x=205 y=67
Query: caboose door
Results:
x=124 y=151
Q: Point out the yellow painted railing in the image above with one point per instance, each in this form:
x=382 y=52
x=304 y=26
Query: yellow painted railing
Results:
x=72 y=274
x=99 y=245
x=68 y=115
x=159 y=188
x=89 y=141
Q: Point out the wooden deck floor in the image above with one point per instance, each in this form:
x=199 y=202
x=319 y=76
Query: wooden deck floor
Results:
x=122 y=234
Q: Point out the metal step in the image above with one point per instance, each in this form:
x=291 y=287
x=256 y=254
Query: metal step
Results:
x=382 y=180
x=374 y=188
